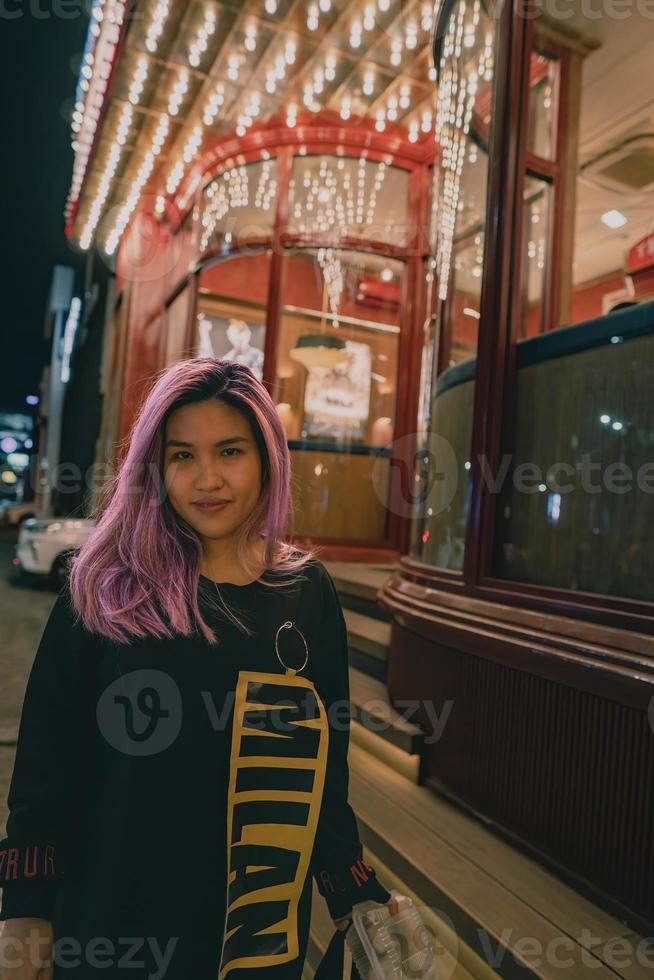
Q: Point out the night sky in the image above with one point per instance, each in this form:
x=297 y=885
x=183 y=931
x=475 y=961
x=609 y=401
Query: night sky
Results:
x=41 y=54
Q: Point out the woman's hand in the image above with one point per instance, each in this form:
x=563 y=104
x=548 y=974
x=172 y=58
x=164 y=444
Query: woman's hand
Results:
x=26 y=949
x=346 y=920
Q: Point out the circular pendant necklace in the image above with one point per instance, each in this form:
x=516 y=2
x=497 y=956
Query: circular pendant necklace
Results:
x=291 y=670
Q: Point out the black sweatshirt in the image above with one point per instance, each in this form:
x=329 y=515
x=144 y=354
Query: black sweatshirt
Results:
x=143 y=804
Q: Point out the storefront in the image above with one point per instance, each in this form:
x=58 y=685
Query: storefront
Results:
x=525 y=603
x=301 y=255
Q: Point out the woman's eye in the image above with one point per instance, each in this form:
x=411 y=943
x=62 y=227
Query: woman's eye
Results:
x=229 y=449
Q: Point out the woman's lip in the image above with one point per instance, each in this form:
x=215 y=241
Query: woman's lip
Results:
x=212 y=507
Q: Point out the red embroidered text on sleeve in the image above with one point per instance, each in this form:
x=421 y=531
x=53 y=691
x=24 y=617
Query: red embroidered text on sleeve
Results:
x=333 y=882
x=35 y=861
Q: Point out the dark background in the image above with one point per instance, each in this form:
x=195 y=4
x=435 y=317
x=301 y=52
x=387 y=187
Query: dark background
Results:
x=40 y=55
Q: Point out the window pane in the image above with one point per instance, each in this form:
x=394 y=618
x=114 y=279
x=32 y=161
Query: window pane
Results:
x=543 y=80
x=442 y=465
x=577 y=508
x=365 y=198
x=335 y=388
x=231 y=312
x=239 y=205
x=536 y=217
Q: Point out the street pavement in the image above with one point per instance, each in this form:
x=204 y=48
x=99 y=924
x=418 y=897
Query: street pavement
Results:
x=24 y=610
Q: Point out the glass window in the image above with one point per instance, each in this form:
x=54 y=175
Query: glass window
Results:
x=442 y=462
x=238 y=206
x=576 y=506
x=535 y=230
x=231 y=311
x=335 y=388
x=574 y=499
x=368 y=199
x=543 y=104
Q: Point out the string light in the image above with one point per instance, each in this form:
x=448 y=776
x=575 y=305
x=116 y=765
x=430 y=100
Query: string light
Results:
x=215 y=102
x=138 y=81
x=156 y=28
x=330 y=67
x=231 y=191
x=179 y=91
x=201 y=42
x=355 y=34
x=457 y=92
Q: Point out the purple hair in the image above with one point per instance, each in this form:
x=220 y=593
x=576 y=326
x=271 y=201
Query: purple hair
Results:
x=121 y=583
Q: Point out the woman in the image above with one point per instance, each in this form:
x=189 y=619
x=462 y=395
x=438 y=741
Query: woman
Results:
x=181 y=771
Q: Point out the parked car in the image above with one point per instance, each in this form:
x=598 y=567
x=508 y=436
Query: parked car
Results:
x=44 y=546
x=13 y=513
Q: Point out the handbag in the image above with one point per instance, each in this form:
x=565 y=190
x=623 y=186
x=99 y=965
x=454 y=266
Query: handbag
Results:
x=337 y=962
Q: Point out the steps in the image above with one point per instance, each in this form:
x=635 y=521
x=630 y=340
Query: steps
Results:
x=376 y=725
x=492 y=910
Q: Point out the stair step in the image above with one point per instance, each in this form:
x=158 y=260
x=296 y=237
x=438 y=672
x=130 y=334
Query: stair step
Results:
x=367 y=635
x=517 y=917
x=358 y=583
x=372 y=709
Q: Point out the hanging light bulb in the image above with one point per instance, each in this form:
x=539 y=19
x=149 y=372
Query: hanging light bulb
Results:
x=251 y=37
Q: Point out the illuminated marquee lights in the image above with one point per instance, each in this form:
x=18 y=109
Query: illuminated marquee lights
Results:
x=155 y=30
x=201 y=42
x=179 y=91
x=362 y=26
x=109 y=172
x=102 y=37
x=134 y=195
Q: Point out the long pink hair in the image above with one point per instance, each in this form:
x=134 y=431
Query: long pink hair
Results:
x=138 y=572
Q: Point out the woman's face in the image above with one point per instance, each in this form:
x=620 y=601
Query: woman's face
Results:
x=198 y=468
